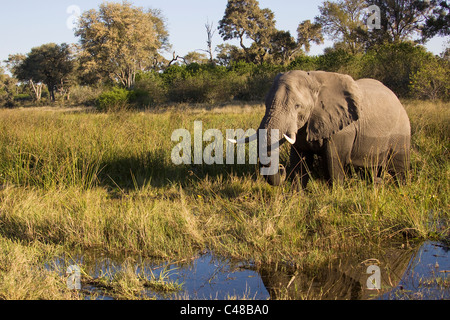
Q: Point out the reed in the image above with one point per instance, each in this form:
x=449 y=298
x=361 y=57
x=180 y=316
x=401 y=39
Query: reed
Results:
x=79 y=179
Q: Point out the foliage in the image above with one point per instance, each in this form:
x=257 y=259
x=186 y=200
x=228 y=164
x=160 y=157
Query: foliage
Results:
x=200 y=83
x=245 y=20
x=309 y=32
x=121 y=45
x=346 y=22
x=432 y=80
x=394 y=65
x=403 y=20
x=195 y=57
x=7 y=89
x=85 y=95
x=343 y=21
x=114 y=100
x=50 y=64
x=119 y=40
x=438 y=22
x=150 y=89
x=206 y=83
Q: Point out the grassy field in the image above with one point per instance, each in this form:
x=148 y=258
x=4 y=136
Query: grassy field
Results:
x=76 y=179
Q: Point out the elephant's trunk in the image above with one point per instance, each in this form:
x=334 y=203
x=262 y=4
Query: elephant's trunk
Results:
x=268 y=124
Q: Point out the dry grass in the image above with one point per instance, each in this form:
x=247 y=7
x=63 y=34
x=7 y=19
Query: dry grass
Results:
x=105 y=181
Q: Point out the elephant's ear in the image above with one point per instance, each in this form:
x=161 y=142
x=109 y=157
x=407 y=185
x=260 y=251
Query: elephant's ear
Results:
x=338 y=104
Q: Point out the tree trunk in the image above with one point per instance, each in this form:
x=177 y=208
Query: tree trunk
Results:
x=52 y=93
x=37 y=89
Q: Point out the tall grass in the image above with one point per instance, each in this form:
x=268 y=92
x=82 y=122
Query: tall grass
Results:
x=106 y=181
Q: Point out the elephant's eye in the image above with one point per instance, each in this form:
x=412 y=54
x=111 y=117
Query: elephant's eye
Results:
x=298 y=106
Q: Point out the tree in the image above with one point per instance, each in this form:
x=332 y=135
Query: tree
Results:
x=283 y=47
x=119 y=40
x=210 y=34
x=309 y=32
x=401 y=20
x=16 y=65
x=49 y=64
x=244 y=19
x=195 y=57
x=432 y=80
x=438 y=21
x=7 y=88
x=343 y=21
x=226 y=53
x=394 y=64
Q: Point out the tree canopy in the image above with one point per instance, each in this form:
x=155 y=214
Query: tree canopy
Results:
x=122 y=45
x=399 y=20
x=245 y=20
x=50 y=64
x=119 y=40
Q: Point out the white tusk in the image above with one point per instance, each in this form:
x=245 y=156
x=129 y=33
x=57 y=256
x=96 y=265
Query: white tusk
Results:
x=244 y=140
x=288 y=139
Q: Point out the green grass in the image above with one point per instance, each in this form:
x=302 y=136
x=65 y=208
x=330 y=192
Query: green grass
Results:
x=83 y=180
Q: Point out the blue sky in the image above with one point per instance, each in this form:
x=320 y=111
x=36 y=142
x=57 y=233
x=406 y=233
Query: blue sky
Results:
x=29 y=23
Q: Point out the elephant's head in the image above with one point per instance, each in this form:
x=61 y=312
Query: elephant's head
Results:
x=323 y=102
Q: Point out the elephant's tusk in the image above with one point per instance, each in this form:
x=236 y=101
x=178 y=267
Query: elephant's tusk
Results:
x=289 y=139
x=244 y=140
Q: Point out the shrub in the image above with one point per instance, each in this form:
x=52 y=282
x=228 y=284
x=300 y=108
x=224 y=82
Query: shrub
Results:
x=200 y=83
x=305 y=63
x=432 y=80
x=394 y=64
x=150 y=89
x=259 y=82
x=333 y=60
x=85 y=95
x=114 y=100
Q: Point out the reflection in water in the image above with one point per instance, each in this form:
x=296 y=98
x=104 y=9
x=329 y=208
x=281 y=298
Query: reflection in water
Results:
x=345 y=278
x=402 y=273
x=427 y=276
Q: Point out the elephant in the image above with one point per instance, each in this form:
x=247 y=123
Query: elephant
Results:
x=342 y=121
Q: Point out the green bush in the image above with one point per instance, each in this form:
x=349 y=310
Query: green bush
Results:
x=150 y=89
x=85 y=95
x=305 y=63
x=201 y=83
x=259 y=81
x=114 y=100
x=432 y=80
x=400 y=66
x=334 y=60
x=394 y=65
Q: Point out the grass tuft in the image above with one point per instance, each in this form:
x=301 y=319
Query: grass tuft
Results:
x=106 y=181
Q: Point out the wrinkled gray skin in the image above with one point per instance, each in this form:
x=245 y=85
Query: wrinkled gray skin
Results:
x=345 y=122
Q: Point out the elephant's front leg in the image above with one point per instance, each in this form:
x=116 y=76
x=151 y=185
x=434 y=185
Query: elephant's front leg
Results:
x=334 y=161
x=300 y=165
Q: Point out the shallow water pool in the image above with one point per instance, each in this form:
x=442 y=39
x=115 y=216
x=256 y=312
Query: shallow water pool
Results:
x=394 y=273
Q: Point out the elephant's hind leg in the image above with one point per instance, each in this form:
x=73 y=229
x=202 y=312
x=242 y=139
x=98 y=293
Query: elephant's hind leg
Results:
x=399 y=163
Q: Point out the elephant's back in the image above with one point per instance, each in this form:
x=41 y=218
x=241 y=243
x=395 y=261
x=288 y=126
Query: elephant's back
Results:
x=383 y=126
x=382 y=111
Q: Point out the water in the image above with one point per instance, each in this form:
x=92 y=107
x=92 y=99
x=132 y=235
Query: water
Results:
x=422 y=272
x=214 y=278
x=425 y=276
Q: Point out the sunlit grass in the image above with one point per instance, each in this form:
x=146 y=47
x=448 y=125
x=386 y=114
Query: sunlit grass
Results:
x=106 y=182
